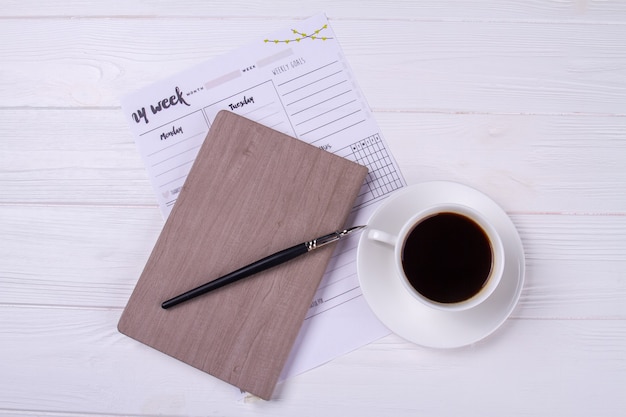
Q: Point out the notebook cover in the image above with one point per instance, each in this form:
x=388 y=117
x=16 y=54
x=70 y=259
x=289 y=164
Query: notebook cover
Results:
x=251 y=192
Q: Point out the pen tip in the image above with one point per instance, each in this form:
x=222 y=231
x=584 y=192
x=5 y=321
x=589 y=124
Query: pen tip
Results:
x=356 y=228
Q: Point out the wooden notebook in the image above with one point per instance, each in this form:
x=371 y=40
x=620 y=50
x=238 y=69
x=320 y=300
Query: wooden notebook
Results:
x=252 y=191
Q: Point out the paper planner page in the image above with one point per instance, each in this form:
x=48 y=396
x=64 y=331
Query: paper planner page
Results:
x=296 y=81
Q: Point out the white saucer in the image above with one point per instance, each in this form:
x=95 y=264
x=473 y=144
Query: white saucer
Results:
x=398 y=309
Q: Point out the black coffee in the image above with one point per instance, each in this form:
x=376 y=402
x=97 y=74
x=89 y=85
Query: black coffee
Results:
x=447 y=258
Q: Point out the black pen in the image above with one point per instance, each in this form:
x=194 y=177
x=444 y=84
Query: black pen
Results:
x=261 y=265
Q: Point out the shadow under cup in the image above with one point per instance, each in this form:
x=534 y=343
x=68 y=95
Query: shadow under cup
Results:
x=448 y=257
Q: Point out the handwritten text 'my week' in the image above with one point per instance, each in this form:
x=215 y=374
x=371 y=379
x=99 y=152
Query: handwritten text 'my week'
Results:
x=163 y=104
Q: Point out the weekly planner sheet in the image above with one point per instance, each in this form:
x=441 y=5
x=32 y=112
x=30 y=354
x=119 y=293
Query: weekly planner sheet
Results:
x=298 y=82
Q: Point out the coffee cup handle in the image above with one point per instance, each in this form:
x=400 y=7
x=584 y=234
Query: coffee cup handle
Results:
x=380 y=236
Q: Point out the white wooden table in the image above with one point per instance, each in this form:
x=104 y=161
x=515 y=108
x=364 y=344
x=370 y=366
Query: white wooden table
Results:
x=524 y=100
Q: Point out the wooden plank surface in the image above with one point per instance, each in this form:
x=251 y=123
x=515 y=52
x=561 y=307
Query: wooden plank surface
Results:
x=531 y=163
x=92 y=256
x=536 y=10
x=523 y=100
x=87 y=62
x=78 y=363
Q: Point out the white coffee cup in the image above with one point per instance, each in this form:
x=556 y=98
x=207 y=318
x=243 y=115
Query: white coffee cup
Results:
x=449 y=217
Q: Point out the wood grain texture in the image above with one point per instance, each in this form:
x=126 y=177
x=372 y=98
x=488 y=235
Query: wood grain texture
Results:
x=523 y=100
x=81 y=256
x=553 y=10
x=410 y=65
x=532 y=163
x=78 y=363
x=251 y=192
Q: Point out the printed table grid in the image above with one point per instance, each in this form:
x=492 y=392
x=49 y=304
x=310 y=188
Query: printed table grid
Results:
x=382 y=177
